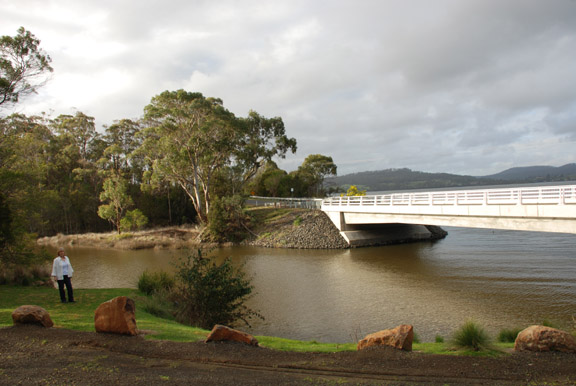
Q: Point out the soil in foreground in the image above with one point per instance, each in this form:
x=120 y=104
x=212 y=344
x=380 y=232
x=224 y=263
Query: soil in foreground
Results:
x=33 y=355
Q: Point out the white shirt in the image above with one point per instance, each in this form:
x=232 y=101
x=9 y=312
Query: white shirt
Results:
x=61 y=267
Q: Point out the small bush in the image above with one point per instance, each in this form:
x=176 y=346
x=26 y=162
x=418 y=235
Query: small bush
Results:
x=208 y=293
x=133 y=220
x=155 y=282
x=508 y=335
x=227 y=220
x=439 y=339
x=471 y=336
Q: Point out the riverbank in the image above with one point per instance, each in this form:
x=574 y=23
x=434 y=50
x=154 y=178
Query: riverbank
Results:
x=168 y=352
x=270 y=228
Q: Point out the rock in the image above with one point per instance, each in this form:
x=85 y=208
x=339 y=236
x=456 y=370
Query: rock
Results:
x=116 y=316
x=31 y=315
x=541 y=338
x=222 y=333
x=399 y=337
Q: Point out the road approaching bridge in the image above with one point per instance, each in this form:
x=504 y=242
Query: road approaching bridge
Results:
x=535 y=208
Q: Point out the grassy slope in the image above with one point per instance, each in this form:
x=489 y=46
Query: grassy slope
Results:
x=80 y=316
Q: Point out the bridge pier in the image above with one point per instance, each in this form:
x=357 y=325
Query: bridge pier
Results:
x=363 y=235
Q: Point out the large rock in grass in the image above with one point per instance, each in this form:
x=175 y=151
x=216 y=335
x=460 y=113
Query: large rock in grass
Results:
x=541 y=338
x=116 y=316
x=400 y=337
x=31 y=315
x=222 y=333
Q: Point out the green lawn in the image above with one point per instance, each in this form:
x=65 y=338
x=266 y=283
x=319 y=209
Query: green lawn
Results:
x=80 y=316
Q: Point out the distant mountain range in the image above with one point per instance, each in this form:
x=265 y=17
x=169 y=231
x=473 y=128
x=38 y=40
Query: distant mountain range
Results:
x=405 y=179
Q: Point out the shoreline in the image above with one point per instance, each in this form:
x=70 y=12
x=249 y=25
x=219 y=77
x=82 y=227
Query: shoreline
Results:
x=271 y=228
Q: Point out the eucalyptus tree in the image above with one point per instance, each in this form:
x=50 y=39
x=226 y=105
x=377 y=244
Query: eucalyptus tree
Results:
x=121 y=140
x=23 y=66
x=314 y=169
x=192 y=141
x=77 y=148
x=24 y=165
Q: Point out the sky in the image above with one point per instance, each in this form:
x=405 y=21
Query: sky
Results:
x=469 y=87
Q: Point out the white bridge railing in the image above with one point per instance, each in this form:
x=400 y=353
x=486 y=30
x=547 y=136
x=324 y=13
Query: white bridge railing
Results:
x=543 y=195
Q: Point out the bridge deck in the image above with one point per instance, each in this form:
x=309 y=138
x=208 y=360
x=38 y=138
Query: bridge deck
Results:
x=544 y=208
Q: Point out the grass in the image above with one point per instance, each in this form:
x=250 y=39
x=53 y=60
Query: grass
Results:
x=80 y=316
x=471 y=336
x=509 y=334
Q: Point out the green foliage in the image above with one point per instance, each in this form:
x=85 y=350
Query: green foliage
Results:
x=471 y=336
x=22 y=66
x=508 y=335
x=208 y=293
x=313 y=170
x=133 y=220
x=115 y=194
x=158 y=304
x=191 y=140
x=155 y=282
x=227 y=220
x=297 y=221
x=439 y=339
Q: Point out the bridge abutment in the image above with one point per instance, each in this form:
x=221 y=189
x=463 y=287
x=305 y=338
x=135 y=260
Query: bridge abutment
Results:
x=363 y=235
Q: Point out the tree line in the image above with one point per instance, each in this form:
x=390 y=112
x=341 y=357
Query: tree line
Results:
x=187 y=151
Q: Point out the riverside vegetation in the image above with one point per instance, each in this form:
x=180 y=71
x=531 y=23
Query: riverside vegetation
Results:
x=81 y=318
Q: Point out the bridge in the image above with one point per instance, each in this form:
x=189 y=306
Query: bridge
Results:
x=377 y=219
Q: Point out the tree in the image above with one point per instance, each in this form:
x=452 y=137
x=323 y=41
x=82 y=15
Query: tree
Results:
x=261 y=140
x=314 y=169
x=23 y=66
x=121 y=140
x=133 y=220
x=117 y=199
x=192 y=141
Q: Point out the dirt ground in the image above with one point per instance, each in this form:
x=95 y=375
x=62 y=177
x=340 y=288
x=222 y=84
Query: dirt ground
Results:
x=31 y=355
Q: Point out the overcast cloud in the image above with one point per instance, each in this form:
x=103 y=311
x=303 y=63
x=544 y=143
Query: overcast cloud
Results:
x=461 y=86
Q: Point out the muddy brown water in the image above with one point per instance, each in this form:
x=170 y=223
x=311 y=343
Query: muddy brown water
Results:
x=501 y=279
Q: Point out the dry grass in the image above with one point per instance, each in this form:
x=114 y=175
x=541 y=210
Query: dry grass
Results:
x=161 y=238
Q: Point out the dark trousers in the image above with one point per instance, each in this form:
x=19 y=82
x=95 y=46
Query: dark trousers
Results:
x=65 y=282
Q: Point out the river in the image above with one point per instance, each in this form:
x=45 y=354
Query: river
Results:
x=501 y=279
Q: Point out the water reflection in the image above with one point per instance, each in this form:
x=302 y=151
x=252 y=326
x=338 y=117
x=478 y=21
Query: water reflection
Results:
x=501 y=279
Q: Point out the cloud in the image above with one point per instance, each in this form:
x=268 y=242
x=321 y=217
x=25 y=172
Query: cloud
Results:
x=467 y=87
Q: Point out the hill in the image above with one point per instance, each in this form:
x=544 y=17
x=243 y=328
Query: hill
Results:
x=407 y=179
x=537 y=173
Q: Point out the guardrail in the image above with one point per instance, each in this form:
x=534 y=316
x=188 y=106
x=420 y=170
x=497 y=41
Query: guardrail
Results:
x=545 y=195
x=286 y=202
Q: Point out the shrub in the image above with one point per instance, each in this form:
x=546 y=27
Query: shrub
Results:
x=227 y=220
x=471 y=336
x=158 y=304
x=508 y=335
x=208 y=293
x=133 y=220
x=439 y=339
x=155 y=282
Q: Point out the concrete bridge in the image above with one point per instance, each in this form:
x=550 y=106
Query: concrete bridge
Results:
x=378 y=219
